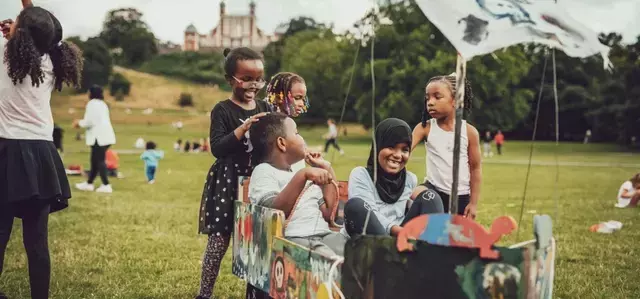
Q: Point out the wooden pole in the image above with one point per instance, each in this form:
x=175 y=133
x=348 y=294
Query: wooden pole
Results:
x=461 y=72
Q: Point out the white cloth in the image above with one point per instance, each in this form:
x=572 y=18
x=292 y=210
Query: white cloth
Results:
x=439 y=146
x=624 y=202
x=480 y=27
x=361 y=186
x=267 y=182
x=97 y=123
x=25 y=110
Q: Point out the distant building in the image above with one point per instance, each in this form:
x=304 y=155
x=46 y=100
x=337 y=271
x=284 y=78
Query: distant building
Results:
x=232 y=31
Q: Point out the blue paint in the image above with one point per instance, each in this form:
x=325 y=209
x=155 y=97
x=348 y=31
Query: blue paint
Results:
x=436 y=230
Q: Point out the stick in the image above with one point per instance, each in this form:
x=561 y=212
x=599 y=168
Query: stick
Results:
x=461 y=72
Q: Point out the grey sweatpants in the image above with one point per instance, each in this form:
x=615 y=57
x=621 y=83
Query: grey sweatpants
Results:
x=328 y=244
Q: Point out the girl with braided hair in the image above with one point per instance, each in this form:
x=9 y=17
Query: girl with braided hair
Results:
x=287 y=93
x=438 y=136
x=33 y=182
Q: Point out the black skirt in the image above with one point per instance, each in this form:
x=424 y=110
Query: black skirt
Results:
x=32 y=175
x=220 y=191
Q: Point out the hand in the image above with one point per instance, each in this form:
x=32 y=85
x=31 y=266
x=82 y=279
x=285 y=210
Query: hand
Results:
x=470 y=211
x=5 y=27
x=76 y=123
x=314 y=159
x=318 y=176
x=246 y=125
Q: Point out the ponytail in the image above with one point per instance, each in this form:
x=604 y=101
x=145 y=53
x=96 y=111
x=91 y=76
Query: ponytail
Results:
x=23 y=58
x=67 y=64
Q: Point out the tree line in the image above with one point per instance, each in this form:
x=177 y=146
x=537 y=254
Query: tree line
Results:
x=408 y=51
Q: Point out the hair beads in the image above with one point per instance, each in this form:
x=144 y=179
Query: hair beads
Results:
x=279 y=92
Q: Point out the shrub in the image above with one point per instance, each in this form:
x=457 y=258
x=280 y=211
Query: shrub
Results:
x=185 y=100
x=119 y=83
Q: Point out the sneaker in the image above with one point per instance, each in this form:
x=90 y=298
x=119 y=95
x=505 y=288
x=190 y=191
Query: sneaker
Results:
x=105 y=189
x=341 y=152
x=151 y=182
x=84 y=186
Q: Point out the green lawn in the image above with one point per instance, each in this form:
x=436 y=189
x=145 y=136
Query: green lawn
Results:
x=142 y=241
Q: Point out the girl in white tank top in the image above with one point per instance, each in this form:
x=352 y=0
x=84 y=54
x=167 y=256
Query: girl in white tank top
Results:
x=438 y=136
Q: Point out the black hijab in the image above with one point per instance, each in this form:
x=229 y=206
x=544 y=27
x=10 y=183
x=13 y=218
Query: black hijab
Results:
x=389 y=132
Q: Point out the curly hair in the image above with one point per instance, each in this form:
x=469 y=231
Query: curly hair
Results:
x=279 y=92
x=450 y=80
x=38 y=33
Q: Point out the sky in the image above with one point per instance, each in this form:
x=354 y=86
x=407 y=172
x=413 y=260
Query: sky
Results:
x=169 y=18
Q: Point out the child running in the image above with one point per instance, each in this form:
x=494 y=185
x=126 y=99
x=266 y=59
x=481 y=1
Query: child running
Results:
x=438 y=134
x=629 y=192
x=33 y=182
x=150 y=158
x=230 y=144
x=273 y=184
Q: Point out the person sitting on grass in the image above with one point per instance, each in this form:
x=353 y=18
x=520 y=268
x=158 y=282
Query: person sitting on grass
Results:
x=277 y=146
x=629 y=192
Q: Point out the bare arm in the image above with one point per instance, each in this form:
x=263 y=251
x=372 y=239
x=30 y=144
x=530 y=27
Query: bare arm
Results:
x=475 y=163
x=330 y=197
x=288 y=196
x=626 y=193
x=27 y=3
x=419 y=135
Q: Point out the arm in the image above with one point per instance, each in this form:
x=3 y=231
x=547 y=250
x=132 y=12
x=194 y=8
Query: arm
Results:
x=89 y=115
x=626 y=193
x=159 y=154
x=329 y=195
x=475 y=164
x=223 y=140
x=361 y=186
x=27 y=3
x=419 y=134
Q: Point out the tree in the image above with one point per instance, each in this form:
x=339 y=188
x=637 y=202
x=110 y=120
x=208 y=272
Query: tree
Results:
x=130 y=38
x=98 y=64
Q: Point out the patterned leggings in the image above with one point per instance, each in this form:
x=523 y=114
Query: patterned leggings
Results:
x=213 y=255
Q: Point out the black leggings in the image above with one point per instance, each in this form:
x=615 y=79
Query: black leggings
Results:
x=355 y=213
x=463 y=200
x=333 y=142
x=98 y=156
x=35 y=238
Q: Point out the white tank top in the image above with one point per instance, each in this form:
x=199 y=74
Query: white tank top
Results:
x=439 y=147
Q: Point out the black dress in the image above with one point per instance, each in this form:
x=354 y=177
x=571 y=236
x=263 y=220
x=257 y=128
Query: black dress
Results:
x=233 y=159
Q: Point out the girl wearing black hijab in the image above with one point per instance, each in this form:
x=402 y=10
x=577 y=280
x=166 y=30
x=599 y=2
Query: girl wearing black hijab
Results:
x=388 y=198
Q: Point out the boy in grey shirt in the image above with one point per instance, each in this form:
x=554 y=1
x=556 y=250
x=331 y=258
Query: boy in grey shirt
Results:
x=277 y=146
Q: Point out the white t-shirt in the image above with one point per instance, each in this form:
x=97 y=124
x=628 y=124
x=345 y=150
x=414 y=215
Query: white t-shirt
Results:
x=25 y=110
x=333 y=131
x=623 y=202
x=267 y=182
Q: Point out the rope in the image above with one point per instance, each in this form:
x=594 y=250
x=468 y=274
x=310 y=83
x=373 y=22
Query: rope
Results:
x=346 y=97
x=373 y=124
x=555 y=96
x=533 y=138
x=461 y=72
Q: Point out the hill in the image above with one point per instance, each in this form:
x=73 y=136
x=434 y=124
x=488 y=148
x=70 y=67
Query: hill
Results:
x=147 y=91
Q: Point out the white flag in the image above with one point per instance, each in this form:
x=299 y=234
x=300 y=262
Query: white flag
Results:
x=477 y=27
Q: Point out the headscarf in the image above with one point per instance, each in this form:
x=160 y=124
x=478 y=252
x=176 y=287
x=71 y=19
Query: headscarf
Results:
x=389 y=133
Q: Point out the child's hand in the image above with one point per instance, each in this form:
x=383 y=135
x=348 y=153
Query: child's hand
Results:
x=470 y=211
x=246 y=125
x=315 y=160
x=318 y=176
x=5 y=27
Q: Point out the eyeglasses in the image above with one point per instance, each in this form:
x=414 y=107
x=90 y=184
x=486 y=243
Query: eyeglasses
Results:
x=251 y=84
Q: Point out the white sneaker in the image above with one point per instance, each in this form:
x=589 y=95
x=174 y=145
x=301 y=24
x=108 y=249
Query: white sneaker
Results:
x=341 y=152
x=151 y=182
x=105 y=189
x=84 y=186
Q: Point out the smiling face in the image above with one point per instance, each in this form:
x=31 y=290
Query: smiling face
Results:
x=439 y=97
x=298 y=95
x=246 y=71
x=393 y=159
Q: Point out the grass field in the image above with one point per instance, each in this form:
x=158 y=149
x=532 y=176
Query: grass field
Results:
x=142 y=241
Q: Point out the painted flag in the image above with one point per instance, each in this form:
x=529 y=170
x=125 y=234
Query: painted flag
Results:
x=478 y=27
